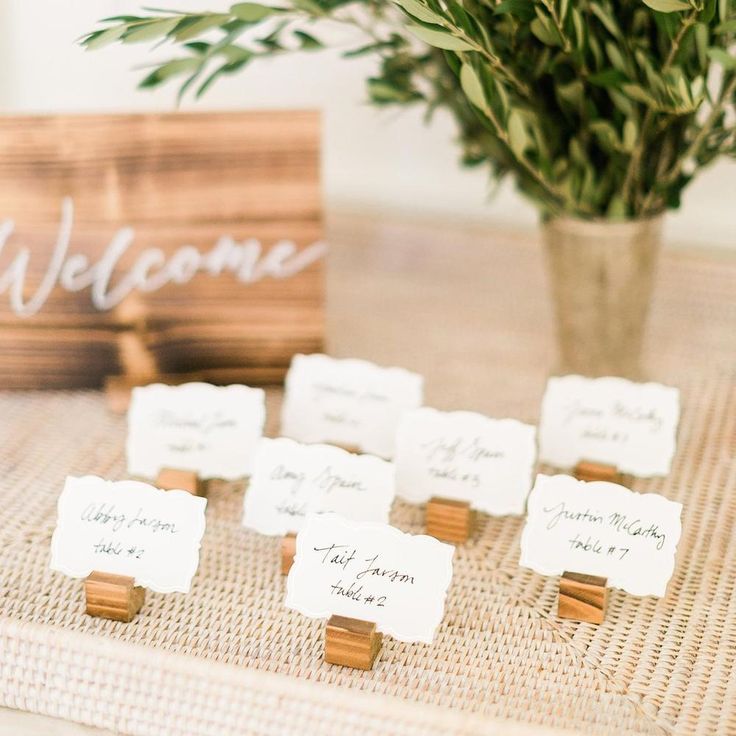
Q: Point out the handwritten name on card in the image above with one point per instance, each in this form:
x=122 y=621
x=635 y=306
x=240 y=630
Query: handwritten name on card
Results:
x=632 y=426
x=128 y=528
x=601 y=528
x=212 y=430
x=347 y=402
x=371 y=572
x=467 y=457
x=291 y=480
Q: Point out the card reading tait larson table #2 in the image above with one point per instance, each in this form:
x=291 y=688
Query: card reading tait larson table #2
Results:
x=632 y=426
x=351 y=403
x=128 y=528
x=601 y=528
x=370 y=572
x=465 y=456
x=211 y=430
x=291 y=480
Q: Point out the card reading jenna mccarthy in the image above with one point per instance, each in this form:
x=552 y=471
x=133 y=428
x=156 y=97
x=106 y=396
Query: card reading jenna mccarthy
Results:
x=347 y=402
x=467 y=457
x=128 y=528
x=370 y=572
x=291 y=480
x=632 y=426
x=601 y=528
x=211 y=430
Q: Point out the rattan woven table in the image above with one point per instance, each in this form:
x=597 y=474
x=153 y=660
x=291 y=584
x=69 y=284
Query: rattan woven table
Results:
x=467 y=308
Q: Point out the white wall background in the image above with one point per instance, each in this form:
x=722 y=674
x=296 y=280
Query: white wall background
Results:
x=377 y=160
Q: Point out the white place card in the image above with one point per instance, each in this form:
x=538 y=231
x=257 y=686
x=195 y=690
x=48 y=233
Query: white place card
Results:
x=632 y=426
x=466 y=457
x=370 y=572
x=211 y=430
x=347 y=402
x=601 y=528
x=291 y=480
x=128 y=528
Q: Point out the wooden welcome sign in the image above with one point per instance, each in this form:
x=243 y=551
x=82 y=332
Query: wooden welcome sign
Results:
x=158 y=244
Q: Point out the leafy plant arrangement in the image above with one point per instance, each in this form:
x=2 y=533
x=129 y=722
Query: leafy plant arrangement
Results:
x=598 y=108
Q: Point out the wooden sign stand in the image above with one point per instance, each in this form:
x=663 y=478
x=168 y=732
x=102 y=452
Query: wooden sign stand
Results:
x=351 y=642
x=583 y=597
x=588 y=470
x=117 y=597
x=449 y=520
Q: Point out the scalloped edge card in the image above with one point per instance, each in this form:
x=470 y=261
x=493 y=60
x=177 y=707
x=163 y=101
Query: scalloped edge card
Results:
x=466 y=457
x=347 y=402
x=601 y=528
x=632 y=426
x=128 y=528
x=370 y=572
x=291 y=480
x=211 y=430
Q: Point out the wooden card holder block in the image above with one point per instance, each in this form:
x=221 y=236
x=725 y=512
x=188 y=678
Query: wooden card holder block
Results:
x=113 y=596
x=589 y=471
x=288 y=550
x=351 y=643
x=583 y=597
x=450 y=520
x=170 y=479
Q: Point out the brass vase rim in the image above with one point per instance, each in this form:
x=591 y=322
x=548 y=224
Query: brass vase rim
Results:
x=571 y=223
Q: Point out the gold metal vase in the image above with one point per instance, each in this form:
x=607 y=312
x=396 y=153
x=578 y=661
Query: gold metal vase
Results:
x=602 y=275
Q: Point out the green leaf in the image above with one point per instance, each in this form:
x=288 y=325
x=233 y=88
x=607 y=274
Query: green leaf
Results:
x=103 y=38
x=631 y=132
x=185 y=31
x=517 y=134
x=150 y=31
x=608 y=19
x=544 y=33
x=728 y=26
x=309 y=6
x=168 y=70
x=723 y=58
x=308 y=42
x=439 y=39
x=473 y=87
x=667 y=6
x=420 y=11
x=521 y=9
x=606 y=135
x=572 y=92
x=616 y=208
x=608 y=78
x=251 y=12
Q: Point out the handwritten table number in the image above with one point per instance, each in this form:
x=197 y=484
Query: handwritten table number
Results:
x=128 y=528
x=601 y=528
x=211 y=430
x=465 y=456
x=347 y=402
x=291 y=480
x=631 y=426
x=370 y=572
